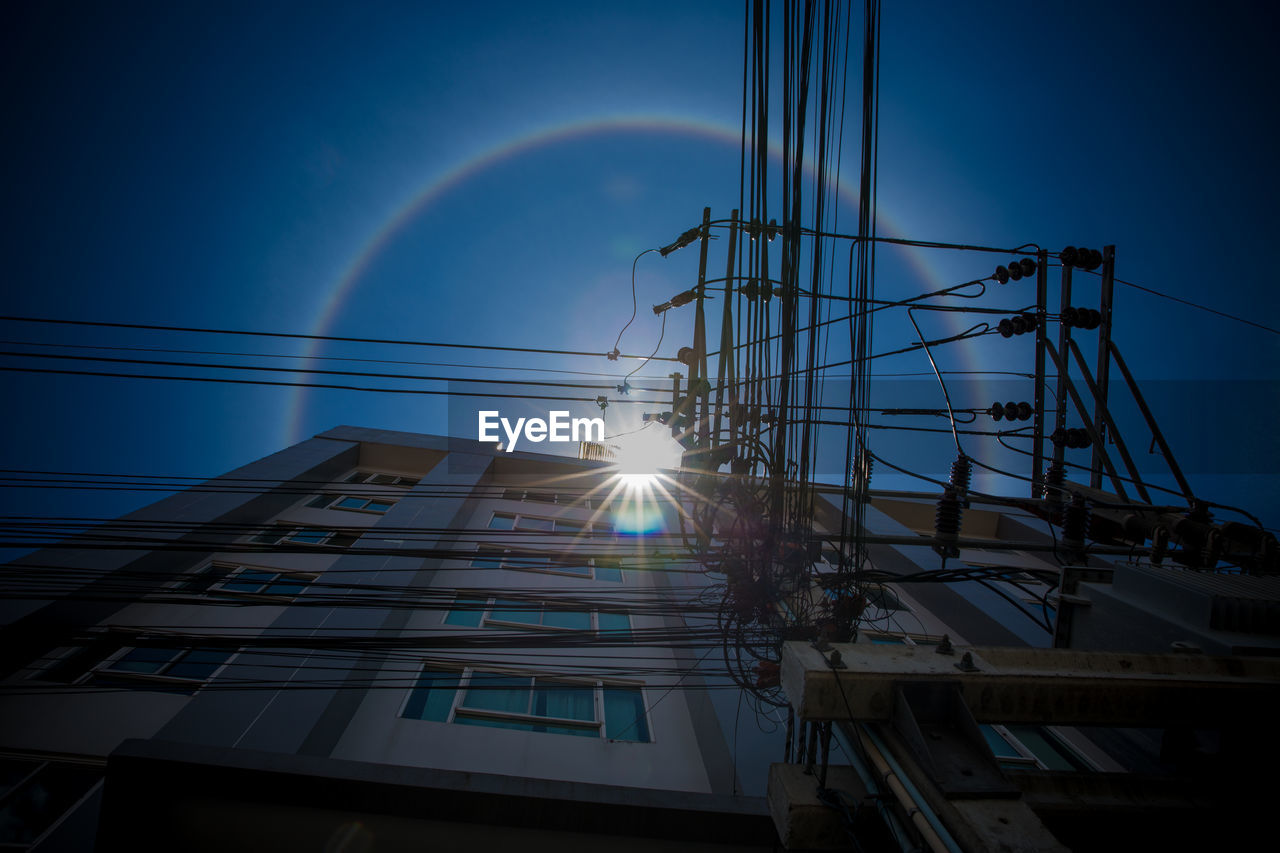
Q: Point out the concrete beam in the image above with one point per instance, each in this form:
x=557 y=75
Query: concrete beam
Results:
x=1024 y=685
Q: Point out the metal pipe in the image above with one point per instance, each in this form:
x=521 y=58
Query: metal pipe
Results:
x=935 y=835
x=826 y=754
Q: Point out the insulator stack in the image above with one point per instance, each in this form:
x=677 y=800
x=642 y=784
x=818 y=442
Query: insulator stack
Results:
x=1011 y=411
x=946 y=524
x=1019 y=325
x=946 y=521
x=1018 y=269
x=862 y=466
x=1085 y=259
x=961 y=473
x=1073 y=438
x=1075 y=524
x=1054 y=476
x=1082 y=318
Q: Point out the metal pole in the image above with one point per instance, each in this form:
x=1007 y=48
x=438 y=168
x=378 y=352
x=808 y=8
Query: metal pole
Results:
x=1042 y=291
x=725 y=358
x=1064 y=335
x=1108 y=420
x=701 y=412
x=1104 y=371
x=1151 y=423
x=1099 y=452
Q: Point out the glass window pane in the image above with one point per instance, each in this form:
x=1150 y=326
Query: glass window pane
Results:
x=566 y=701
x=351 y=503
x=249 y=580
x=523 y=612
x=288 y=586
x=309 y=535
x=487 y=558
x=379 y=506
x=502 y=521
x=343 y=540
x=572 y=568
x=492 y=691
x=541 y=525
x=199 y=664
x=614 y=623
x=513 y=495
x=382 y=479
x=998 y=744
x=432 y=696
x=624 y=717
x=489 y=722
x=269 y=537
x=255 y=575
x=358 y=477
x=609 y=573
x=578 y=620
x=566 y=526
x=143 y=660
x=203 y=579
x=1054 y=756
x=541 y=497
x=466 y=611
x=320 y=501
x=407 y=481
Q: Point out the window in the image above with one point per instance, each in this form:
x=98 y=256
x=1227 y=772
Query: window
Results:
x=74 y=664
x=472 y=610
x=183 y=667
x=1031 y=747
x=265 y=582
x=35 y=794
x=559 y=498
x=529 y=703
x=377 y=479
x=539 y=524
x=601 y=569
x=351 y=502
x=299 y=535
x=231 y=577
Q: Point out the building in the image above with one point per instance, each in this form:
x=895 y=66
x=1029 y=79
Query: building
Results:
x=372 y=639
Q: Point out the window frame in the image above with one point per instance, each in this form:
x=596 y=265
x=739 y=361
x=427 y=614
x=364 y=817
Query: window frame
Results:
x=288 y=530
x=488 y=620
x=505 y=561
x=278 y=576
x=333 y=499
x=589 y=528
x=105 y=670
x=362 y=476
x=598 y=687
x=557 y=498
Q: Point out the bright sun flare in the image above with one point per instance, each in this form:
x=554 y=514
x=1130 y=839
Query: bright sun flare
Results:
x=642 y=454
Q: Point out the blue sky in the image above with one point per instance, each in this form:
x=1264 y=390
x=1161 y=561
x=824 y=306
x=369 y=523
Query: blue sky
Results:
x=227 y=165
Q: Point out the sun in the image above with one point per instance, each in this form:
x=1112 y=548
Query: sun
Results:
x=645 y=452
